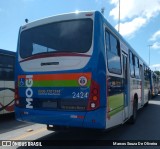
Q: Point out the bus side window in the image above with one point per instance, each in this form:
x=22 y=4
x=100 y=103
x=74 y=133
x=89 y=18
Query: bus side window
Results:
x=146 y=73
x=6 y=68
x=1 y=68
x=132 y=64
x=107 y=41
x=1 y=74
x=114 y=45
x=137 y=75
x=113 y=54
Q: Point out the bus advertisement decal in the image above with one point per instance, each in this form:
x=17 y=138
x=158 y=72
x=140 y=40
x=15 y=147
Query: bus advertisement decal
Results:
x=66 y=86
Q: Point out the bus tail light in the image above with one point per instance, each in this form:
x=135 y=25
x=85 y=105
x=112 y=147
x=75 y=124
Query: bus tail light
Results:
x=16 y=94
x=94 y=97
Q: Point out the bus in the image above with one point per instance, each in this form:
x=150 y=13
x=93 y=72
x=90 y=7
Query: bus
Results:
x=7 y=85
x=154 y=84
x=76 y=71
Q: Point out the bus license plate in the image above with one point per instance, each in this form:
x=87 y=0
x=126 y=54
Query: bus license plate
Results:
x=48 y=104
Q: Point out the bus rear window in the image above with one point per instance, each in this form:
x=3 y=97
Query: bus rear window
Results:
x=65 y=36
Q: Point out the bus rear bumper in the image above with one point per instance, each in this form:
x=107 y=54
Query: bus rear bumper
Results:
x=92 y=119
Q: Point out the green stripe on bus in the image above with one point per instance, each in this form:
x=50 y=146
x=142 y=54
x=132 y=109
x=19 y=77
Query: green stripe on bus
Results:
x=111 y=113
x=116 y=103
x=58 y=83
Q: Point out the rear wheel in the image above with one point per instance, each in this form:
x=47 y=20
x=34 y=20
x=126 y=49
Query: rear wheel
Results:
x=134 y=116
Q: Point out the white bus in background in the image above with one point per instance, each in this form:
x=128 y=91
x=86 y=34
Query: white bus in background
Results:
x=154 y=84
x=7 y=62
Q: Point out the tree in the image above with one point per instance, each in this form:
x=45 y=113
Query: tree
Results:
x=157 y=72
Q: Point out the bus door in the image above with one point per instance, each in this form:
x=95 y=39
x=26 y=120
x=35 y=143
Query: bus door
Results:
x=126 y=86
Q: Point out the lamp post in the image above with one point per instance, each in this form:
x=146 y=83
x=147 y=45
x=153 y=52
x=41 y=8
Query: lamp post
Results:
x=119 y=16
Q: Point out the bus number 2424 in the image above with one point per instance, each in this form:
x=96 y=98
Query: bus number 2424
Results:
x=81 y=95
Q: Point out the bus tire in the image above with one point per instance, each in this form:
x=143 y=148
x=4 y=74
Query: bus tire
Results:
x=133 y=118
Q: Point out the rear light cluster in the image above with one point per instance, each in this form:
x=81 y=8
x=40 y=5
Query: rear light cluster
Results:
x=94 y=97
x=16 y=94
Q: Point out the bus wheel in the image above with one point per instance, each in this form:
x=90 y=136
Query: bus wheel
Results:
x=132 y=120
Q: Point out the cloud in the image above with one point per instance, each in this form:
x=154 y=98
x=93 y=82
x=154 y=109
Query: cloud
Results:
x=133 y=10
x=128 y=28
x=124 y=10
x=156 y=46
x=155 y=67
x=155 y=36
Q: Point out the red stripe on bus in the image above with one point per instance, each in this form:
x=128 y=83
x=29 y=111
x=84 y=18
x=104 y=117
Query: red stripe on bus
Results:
x=54 y=55
x=71 y=76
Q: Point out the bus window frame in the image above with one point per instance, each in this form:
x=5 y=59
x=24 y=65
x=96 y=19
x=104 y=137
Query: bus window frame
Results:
x=132 y=65
x=7 y=77
x=56 y=22
x=137 y=67
x=118 y=51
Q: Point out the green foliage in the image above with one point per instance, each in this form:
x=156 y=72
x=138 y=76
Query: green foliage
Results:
x=157 y=72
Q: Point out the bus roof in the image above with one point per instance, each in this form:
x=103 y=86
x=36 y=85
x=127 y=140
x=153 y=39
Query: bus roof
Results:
x=6 y=52
x=59 y=17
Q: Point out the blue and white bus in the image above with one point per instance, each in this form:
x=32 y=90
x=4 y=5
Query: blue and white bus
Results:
x=76 y=70
x=7 y=62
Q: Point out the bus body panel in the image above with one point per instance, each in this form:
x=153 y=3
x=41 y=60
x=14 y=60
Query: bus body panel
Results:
x=9 y=96
x=6 y=97
x=115 y=119
x=2 y=95
x=63 y=118
x=60 y=118
x=115 y=101
x=95 y=119
x=7 y=85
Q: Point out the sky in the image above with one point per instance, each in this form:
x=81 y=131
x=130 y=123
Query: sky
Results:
x=139 y=21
